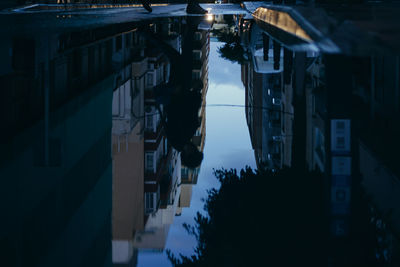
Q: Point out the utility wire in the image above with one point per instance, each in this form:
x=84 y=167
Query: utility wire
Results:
x=224 y=105
x=249 y=106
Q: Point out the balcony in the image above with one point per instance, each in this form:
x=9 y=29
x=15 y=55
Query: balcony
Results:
x=161 y=168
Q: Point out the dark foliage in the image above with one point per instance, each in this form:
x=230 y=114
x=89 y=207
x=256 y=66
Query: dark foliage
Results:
x=233 y=52
x=191 y=157
x=259 y=218
x=232 y=49
x=265 y=218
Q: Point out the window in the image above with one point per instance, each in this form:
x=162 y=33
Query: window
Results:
x=197 y=54
x=340 y=126
x=118 y=43
x=128 y=39
x=340 y=195
x=184 y=173
x=162 y=71
x=149 y=162
x=165 y=147
x=23 y=54
x=149 y=122
x=340 y=142
x=77 y=62
x=135 y=87
x=340 y=135
x=379 y=78
x=150 y=202
x=135 y=39
x=91 y=63
x=197 y=36
x=276 y=148
x=283 y=118
x=341 y=170
x=276 y=115
x=150 y=79
x=196 y=74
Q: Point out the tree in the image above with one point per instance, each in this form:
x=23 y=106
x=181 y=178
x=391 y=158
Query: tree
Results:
x=266 y=218
x=258 y=218
x=232 y=50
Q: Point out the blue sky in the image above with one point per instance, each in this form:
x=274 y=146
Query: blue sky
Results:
x=227 y=145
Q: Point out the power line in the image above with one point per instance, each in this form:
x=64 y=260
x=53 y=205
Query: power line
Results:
x=249 y=106
x=224 y=105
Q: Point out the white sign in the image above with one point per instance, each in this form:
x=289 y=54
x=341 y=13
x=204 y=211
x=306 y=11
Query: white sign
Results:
x=340 y=136
x=341 y=166
x=340 y=194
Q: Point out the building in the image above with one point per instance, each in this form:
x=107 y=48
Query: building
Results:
x=268 y=102
x=128 y=153
x=58 y=169
x=200 y=53
x=147 y=168
x=161 y=162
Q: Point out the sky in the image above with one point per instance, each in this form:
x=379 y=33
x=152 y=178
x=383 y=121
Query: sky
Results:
x=227 y=145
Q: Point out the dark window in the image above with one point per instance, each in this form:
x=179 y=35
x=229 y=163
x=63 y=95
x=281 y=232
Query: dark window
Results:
x=77 y=63
x=340 y=142
x=340 y=195
x=23 y=54
x=379 y=78
x=118 y=43
x=91 y=62
x=340 y=126
x=128 y=39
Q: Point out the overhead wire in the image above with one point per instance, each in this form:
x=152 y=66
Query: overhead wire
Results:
x=223 y=105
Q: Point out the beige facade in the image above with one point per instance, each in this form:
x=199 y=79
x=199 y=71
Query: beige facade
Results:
x=127 y=193
x=128 y=184
x=186 y=195
x=128 y=215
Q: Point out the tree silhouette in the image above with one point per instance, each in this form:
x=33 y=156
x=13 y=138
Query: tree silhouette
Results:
x=233 y=52
x=232 y=49
x=265 y=218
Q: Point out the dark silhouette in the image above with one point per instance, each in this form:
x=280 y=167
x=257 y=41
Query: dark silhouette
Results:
x=233 y=52
x=192 y=7
x=146 y=5
x=181 y=97
x=232 y=49
x=182 y=118
x=265 y=218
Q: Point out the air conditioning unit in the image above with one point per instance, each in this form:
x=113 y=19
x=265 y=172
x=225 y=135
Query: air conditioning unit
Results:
x=277 y=138
x=276 y=101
